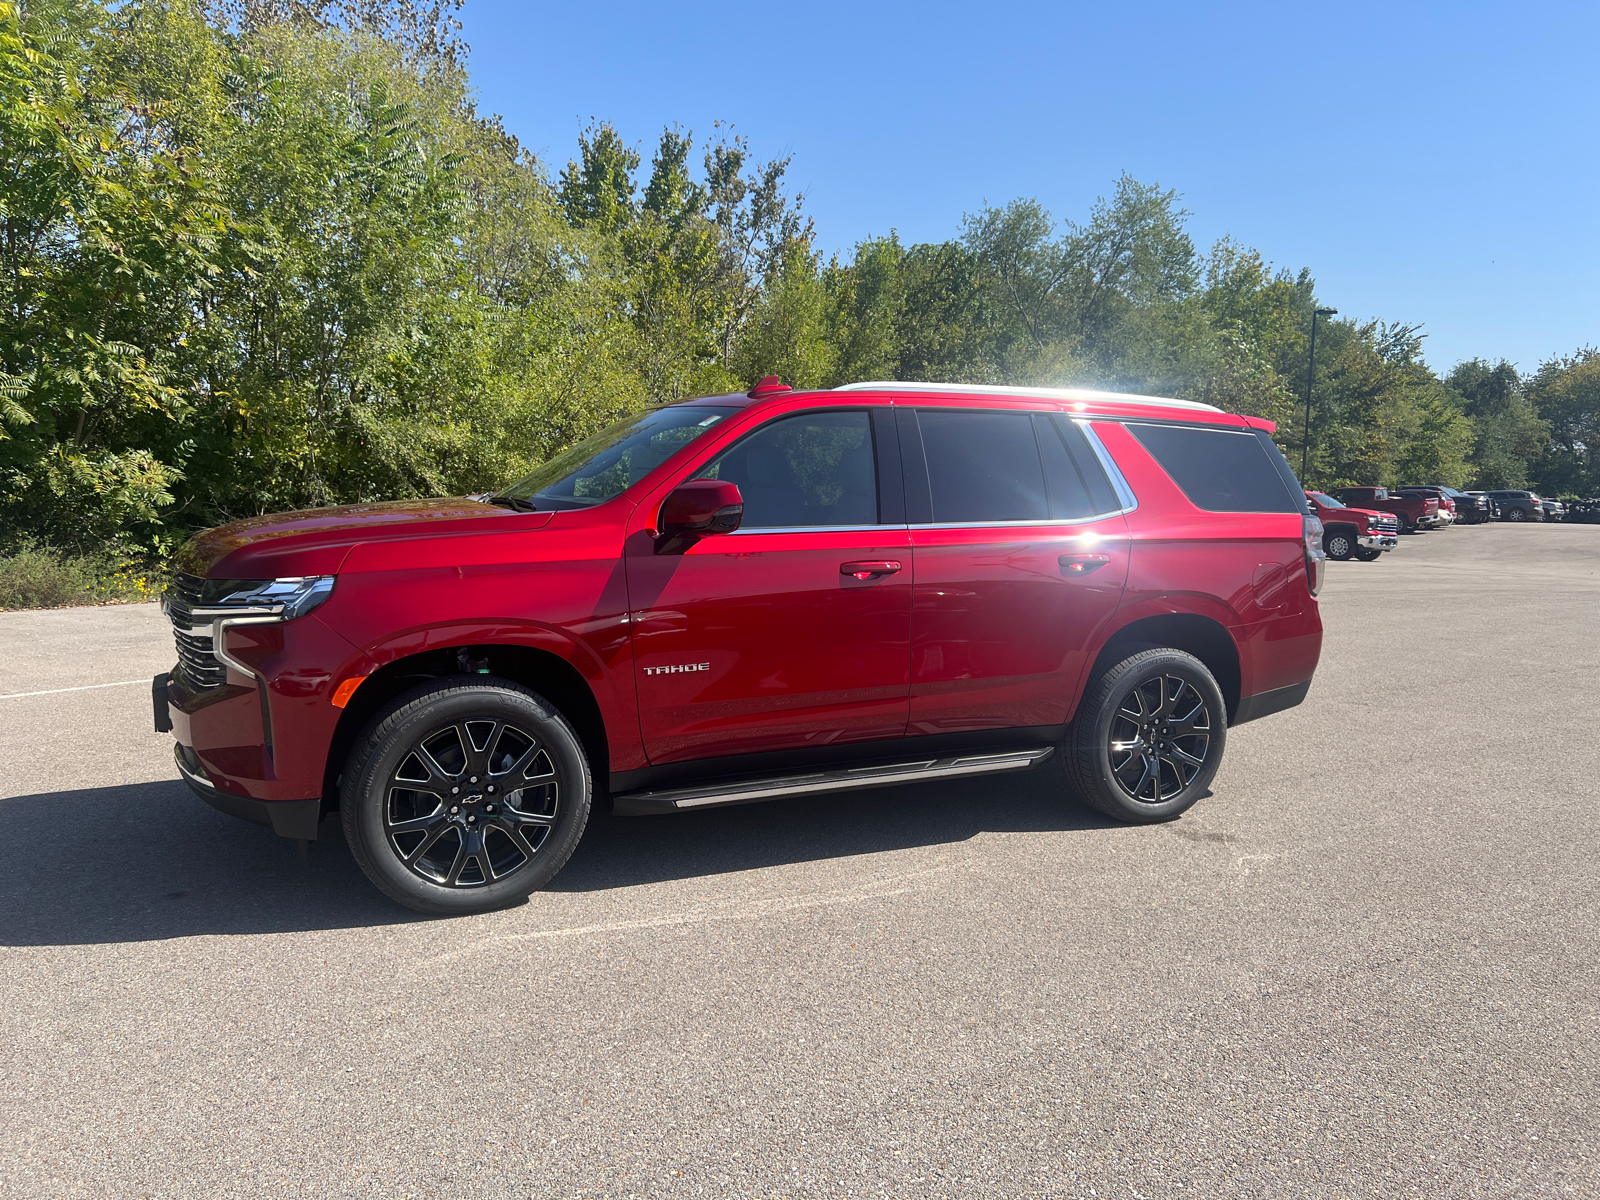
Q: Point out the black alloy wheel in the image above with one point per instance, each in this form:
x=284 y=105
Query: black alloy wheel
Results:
x=1159 y=739
x=471 y=803
x=1148 y=736
x=1340 y=544
x=465 y=795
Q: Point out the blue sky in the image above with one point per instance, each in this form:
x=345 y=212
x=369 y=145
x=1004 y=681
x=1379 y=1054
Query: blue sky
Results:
x=1430 y=162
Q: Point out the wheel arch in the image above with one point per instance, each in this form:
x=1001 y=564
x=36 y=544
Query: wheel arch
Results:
x=1204 y=637
x=548 y=674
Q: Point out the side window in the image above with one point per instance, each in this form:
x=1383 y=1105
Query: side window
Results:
x=1218 y=470
x=983 y=466
x=812 y=468
x=1075 y=479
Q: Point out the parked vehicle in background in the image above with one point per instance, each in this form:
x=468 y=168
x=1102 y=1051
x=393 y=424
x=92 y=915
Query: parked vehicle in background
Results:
x=1354 y=532
x=1462 y=508
x=1554 y=510
x=1486 y=502
x=1471 y=508
x=1414 y=512
x=1516 y=505
x=746 y=597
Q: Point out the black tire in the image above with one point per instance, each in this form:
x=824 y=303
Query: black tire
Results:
x=1340 y=543
x=1516 y=514
x=1368 y=553
x=487 y=843
x=1106 y=737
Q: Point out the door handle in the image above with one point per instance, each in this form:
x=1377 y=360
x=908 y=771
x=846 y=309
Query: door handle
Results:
x=1082 y=564
x=867 y=570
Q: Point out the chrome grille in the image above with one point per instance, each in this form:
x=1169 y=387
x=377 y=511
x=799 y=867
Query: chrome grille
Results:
x=196 y=663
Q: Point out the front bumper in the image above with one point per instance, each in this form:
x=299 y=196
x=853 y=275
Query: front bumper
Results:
x=1377 y=541
x=287 y=818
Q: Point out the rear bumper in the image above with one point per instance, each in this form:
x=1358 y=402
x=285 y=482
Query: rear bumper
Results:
x=1264 y=704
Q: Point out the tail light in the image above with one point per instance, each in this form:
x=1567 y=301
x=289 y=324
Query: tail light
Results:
x=1316 y=557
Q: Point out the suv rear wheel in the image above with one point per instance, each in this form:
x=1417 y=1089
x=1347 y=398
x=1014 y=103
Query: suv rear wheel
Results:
x=1148 y=736
x=465 y=795
x=1516 y=514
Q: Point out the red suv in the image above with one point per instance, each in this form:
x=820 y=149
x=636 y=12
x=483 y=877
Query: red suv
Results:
x=744 y=597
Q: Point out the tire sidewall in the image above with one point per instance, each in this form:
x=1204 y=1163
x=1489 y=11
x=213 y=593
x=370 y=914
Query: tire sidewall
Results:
x=1092 y=733
x=390 y=736
x=1335 y=538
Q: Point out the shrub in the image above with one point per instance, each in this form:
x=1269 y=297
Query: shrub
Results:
x=39 y=576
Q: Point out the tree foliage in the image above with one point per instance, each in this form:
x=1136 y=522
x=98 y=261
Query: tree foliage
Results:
x=263 y=254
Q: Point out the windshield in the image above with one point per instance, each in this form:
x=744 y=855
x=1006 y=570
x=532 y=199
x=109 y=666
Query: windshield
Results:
x=1325 y=500
x=612 y=461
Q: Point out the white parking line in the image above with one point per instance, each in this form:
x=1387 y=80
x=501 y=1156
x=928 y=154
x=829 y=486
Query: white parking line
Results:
x=88 y=687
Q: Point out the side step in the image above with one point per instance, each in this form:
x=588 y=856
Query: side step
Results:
x=748 y=791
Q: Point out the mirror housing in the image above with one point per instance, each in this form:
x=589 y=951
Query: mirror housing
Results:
x=698 y=509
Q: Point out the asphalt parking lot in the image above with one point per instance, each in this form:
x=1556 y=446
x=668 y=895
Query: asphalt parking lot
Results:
x=1366 y=966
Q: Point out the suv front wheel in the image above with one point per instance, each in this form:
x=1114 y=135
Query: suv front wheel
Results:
x=464 y=795
x=1148 y=736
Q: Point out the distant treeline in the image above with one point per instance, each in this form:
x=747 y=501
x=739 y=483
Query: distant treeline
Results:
x=263 y=254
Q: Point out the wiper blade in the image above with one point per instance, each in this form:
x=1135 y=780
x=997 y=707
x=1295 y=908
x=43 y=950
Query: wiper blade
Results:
x=512 y=502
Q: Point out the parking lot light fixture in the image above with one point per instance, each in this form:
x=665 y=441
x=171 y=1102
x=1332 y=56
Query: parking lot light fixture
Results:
x=1311 y=374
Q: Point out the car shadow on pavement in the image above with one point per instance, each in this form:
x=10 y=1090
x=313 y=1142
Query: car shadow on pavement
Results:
x=149 y=861
x=623 y=851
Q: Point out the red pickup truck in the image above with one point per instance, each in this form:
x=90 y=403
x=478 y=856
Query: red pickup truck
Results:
x=744 y=597
x=1415 y=512
x=1353 y=532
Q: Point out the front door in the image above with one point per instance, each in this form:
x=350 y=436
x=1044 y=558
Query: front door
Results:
x=792 y=632
x=1021 y=556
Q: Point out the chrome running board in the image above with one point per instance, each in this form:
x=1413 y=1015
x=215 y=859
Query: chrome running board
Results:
x=748 y=791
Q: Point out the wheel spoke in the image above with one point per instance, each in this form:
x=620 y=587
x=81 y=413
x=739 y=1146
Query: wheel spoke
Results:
x=1179 y=755
x=488 y=733
x=1190 y=722
x=426 y=844
x=517 y=832
x=426 y=824
x=469 y=846
x=438 y=777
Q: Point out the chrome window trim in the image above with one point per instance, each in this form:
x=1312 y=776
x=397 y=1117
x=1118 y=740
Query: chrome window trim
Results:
x=1113 y=472
x=811 y=529
x=1016 y=524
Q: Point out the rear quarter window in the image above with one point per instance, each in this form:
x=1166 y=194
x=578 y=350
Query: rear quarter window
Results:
x=1222 y=471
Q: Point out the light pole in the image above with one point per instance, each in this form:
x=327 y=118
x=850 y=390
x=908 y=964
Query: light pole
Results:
x=1311 y=374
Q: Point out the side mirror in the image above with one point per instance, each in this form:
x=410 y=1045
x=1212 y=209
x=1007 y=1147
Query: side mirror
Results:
x=697 y=509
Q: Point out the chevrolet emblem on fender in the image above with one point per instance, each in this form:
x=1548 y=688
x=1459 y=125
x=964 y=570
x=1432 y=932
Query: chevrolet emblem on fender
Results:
x=675 y=670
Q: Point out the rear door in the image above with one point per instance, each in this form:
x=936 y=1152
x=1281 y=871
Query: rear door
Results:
x=794 y=631
x=1021 y=555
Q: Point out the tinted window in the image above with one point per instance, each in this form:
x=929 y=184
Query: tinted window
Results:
x=1326 y=500
x=1219 y=471
x=809 y=469
x=1075 y=481
x=983 y=466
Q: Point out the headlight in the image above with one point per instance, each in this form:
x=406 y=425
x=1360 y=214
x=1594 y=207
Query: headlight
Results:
x=298 y=595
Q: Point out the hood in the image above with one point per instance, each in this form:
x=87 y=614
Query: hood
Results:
x=315 y=541
x=1370 y=515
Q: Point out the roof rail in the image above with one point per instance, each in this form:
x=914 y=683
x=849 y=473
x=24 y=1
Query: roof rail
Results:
x=1082 y=395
